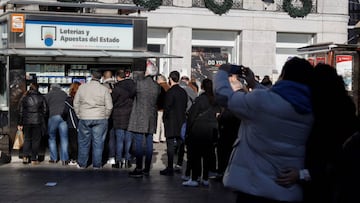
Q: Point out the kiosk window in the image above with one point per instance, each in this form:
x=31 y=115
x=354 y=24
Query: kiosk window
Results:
x=3 y=89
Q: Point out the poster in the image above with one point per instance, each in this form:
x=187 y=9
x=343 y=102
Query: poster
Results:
x=205 y=62
x=344 y=66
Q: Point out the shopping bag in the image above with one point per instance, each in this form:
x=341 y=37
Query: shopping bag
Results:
x=19 y=140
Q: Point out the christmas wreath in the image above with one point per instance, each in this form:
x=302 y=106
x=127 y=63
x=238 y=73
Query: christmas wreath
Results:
x=217 y=8
x=149 y=4
x=295 y=11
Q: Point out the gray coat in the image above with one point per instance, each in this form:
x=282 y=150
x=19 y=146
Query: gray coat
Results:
x=143 y=116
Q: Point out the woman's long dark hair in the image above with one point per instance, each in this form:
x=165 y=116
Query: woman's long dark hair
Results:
x=207 y=86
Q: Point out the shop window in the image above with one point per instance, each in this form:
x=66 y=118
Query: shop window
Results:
x=205 y=61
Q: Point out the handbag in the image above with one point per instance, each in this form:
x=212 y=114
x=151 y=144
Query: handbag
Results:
x=19 y=139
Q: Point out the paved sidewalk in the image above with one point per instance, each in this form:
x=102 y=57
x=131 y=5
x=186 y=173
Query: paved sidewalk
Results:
x=56 y=183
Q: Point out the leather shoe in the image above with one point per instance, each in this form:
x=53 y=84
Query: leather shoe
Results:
x=167 y=172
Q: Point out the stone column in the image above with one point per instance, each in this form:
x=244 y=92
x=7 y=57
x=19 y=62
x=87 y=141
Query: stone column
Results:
x=180 y=44
x=257 y=50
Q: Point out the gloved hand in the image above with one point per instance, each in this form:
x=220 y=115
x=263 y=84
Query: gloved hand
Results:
x=225 y=67
x=232 y=69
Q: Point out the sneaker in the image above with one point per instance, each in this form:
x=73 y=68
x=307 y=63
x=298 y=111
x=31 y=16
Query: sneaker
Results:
x=213 y=175
x=52 y=161
x=111 y=160
x=191 y=183
x=136 y=173
x=25 y=160
x=177 y=168
x=80 y=167
x=185 y=178
x=167 y=172
x=205 y=183
x=72 y=163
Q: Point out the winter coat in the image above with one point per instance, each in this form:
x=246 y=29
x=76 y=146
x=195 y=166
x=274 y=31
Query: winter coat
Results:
x=122 y=96
x=272 y=137
x=93 y=101
x=33 y=109
x=202 y=125
x=56 y=101
x=174 y=111
x=161 y=99
x=143 y=115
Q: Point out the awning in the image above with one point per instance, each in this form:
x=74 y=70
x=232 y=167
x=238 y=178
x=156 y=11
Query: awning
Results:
x=85 y=53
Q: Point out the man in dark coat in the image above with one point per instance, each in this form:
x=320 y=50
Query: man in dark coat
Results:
x=173 y=117
x=143 y=119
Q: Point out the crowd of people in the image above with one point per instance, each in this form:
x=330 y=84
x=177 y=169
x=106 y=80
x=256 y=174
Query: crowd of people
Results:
x=292 y=141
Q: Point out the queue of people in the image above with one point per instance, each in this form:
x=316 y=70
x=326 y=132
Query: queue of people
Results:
x=291 y=141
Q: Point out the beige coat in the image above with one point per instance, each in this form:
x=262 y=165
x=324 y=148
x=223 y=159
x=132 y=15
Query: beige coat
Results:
x=93 y=101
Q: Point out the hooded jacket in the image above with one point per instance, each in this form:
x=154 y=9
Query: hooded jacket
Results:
x=272 y=137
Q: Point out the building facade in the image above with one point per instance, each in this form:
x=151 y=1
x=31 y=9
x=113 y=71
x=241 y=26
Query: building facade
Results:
x=256 y=33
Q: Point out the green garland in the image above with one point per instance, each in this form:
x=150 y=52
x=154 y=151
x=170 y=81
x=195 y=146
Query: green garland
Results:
x=297 y=12
x=149 y=4
x=218 y=9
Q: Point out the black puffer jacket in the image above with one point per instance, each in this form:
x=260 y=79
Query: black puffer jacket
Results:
x=33 y=109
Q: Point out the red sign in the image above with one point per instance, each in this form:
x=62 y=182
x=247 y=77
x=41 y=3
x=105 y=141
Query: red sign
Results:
x=343 y=58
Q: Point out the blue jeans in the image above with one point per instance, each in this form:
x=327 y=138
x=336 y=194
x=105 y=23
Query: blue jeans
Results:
x=57 y=123
x=139 y=150
x=123 y=136
x=91 y=132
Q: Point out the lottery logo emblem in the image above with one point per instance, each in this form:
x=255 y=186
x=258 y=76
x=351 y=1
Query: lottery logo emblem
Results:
x=48 y=35
x=49 y=40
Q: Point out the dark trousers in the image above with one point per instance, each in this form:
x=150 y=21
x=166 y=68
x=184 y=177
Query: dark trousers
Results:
x=32 y=141
x=212 y=159
x=181 y=153
x=224 y=152
x=73 y=143
x=200 y=160
x=247 y=198
x=171 y=144
x=188 y=163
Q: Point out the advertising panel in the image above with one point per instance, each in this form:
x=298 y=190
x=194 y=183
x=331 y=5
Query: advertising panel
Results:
x=205 y=62
x=17 y=22
x=78 y=35
x=344 y=64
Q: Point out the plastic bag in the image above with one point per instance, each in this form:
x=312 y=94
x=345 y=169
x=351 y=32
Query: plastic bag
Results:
x=19 y=140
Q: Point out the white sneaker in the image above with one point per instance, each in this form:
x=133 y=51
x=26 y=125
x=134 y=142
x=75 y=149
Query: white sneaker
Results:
x=185 y=178
x=191 y=183
x=72 y=163
x=205 y=183
x=79 y=167
x=111 y=160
